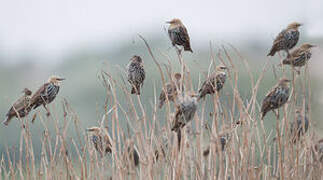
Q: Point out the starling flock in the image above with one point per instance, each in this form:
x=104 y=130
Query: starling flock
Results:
x=186 y=102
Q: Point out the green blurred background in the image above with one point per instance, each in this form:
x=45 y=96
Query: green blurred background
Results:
x=77 y=40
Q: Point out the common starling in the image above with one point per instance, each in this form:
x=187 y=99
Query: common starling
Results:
x=136 y=74
x=20 y=107
x=286 y=39
x=171 y=90
x=178 y=34
x=299 y=126
x=185 y=110
x=276 y=98
x=299 y=56
x=100 y=139
x=46 y=93
x=213 y=83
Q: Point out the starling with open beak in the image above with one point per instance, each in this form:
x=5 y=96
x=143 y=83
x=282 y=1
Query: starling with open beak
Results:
x=178 y=34
x=299 y=56
x=100 y=139
x=276 y=98
x=136 y=74
x=286 y=39
x=46 y=93
x=170 y=90
x=20 y=107
x=213 y=83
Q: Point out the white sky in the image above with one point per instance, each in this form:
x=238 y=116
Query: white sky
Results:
x=51 y=26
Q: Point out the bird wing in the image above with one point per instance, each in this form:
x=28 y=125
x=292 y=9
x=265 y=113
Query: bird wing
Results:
x=183 y=35
x=279 y=38
x=37 y=97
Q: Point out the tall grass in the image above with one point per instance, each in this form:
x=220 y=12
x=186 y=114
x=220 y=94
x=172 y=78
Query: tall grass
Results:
x=251 y=151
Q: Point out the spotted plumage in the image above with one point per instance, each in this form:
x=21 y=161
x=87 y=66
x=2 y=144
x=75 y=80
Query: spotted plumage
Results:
x=136 y=74
x=299 y=126
x=178 y=34
x=213 y=83
x=170 y=90
x=276 y=98
x=299 y=56
x=286 y=39
x=185 y=110
x=20 y=107
x=100 y=139
x=46 y=93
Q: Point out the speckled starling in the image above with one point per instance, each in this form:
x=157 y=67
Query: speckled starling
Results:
x=100 y=139
x=20 y=107
x=213 y=83
x=286 y=39
x=171 y=90
x=299 y=56
x=185 y=110
x=178 y=34
x=276 y=98
x=299 y=126
x=136 y=74
x=46 y=93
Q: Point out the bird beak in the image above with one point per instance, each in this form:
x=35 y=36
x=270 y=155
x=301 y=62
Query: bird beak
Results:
x=313 y=45
x=168 y=22
x=60 y=79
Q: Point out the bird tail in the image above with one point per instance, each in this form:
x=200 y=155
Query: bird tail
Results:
x=6 y=121
x=135 y=90
x=161 y=103
x=179 y=138
x=188 y=48
x=263 y=115
x=272 y=52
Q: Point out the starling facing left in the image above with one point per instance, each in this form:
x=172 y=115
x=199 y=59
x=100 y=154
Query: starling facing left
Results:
x=276 y=98
x=136 y=74
x=178 y=34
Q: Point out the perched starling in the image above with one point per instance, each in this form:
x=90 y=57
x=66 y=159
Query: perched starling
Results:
x=100 y=139
x=20 y=107
x=299 y=56
x=171 y=90
x=213 y=83
x=297 y=126
x=178 y=34
x=136 y=74
x=276 y=98
x=185 y=110
x=286 y=39
x=46 y=93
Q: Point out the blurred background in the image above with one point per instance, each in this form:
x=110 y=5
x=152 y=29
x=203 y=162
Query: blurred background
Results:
x=77 y=39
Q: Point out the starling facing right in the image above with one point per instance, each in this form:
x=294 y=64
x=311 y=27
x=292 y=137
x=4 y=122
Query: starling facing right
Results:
x=286 y=39
x=276 y=98
x=20 y=108
x=213 y=83
x=136 y=74
x=171 y=90
x=178 y=34
x=46 y=93
x=299 y=56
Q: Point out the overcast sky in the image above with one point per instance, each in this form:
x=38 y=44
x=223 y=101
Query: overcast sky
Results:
x=52 y=26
